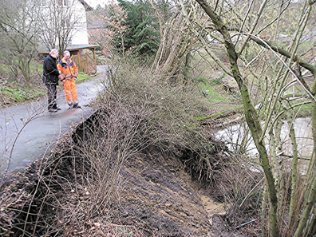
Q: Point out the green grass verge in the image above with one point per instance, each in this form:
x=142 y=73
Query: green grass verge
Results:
x=35 y=67
x=211 y=116
x=211 y=89
x=83 y=77
x=21 y=94
x=220 y=114
x=221 y=103
x=15 y=93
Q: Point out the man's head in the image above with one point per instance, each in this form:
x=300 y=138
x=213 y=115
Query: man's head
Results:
x=66 y=54
x=54 y=53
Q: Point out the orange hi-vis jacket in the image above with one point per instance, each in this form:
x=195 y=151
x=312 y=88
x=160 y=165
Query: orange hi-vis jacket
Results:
x=69 y=70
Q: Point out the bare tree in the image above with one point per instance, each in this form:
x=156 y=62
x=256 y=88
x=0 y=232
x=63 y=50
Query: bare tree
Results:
x=173 y=53
x=59 y=21
x=19 y=29
x=265 y=55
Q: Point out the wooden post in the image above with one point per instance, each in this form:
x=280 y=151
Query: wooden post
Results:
x=79 y=59
x=95 y=59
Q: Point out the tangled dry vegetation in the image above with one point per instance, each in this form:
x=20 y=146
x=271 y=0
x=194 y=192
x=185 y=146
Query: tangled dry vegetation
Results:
x=70 y=193
x=240 y=184
x=112 y=160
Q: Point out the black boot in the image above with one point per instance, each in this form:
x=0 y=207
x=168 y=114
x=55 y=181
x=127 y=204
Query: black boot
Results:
x=76 y=105
x=52 y=110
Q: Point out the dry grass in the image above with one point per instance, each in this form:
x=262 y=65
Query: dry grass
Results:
x=172 y=109
x=70 y=193
x=240 y=185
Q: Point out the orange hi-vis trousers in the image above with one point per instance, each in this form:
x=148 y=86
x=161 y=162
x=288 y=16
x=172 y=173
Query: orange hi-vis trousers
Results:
x=69 y=70
x=70 y=90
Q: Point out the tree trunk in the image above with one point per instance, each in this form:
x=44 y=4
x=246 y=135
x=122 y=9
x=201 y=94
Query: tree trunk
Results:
x=294 y=170
x=310 y=196
x=250 y=114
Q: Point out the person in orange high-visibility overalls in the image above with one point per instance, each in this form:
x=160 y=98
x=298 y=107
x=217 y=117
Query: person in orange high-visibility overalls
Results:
x=69 y=71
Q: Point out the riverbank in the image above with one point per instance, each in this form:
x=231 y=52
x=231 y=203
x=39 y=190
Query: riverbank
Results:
x=141 y=165
x=86 y=189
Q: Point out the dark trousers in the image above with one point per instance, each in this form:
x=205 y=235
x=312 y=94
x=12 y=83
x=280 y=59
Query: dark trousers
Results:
x=51 y=94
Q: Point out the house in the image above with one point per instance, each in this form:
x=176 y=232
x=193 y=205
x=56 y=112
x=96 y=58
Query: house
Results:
x=71 y=16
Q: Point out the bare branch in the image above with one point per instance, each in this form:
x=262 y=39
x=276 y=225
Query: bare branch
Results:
x=269 y=45
x=311 y=2
x=254 y=25
x=244 y=20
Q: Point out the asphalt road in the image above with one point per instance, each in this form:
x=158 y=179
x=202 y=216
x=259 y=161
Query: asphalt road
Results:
x=28 y=131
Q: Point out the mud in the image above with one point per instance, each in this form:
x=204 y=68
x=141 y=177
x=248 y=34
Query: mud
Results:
x=157 y=197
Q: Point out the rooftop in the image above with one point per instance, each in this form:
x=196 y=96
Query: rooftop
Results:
x=44 y=50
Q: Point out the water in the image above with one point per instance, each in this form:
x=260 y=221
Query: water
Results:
x=233 y=135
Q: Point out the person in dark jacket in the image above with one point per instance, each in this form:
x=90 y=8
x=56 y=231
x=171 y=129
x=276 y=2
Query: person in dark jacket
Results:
x=50 y=78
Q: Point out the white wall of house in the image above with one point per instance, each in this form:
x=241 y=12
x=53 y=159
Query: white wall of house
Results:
x=80 y=33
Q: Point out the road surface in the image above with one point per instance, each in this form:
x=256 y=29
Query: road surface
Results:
x=28 y=131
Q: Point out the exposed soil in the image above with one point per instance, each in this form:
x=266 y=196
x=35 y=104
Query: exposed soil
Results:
x=157 y=197
x=160 y=198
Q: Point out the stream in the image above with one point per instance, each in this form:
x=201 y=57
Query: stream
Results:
x=236 y=137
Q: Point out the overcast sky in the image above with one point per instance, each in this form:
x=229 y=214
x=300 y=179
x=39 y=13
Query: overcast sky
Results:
x=94 y=3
